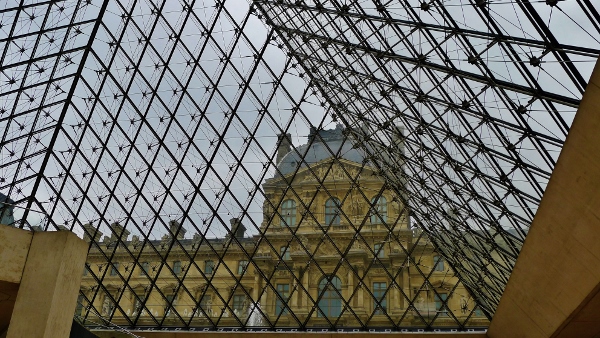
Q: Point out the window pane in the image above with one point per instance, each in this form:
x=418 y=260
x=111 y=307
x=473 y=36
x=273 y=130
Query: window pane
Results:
x=379 y=210
x=285 y=253
x=115 y=268
x=288 y=213
x=379 y=295
x=439 y=304
x=177 y=267
x=242 y=266
x=206 y=305
x=209 y=267
x=239 y=304
x=332 y=212
x=438 y=263
x=145 y=267
x=378 y=249
x=330 y=304
x=284 y=292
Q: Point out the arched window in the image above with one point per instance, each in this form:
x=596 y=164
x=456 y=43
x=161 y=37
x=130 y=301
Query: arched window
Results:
x=332 y=211
x=379 y=210
x=330 y=304
x=288 y=213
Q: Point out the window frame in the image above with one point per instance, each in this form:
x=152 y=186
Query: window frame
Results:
x=209 y=263
x=379 y=250
x=441 y=303
x=332 y=211
x=144 y=268
x=438 y=263
x=330 y=298
x=284 y=293
x=114 y=269
x=284 y=252
x=177 y=268
x=242 y=266
x=288 y=213
x=237 y=303
x=378 y=288
x=379 y=210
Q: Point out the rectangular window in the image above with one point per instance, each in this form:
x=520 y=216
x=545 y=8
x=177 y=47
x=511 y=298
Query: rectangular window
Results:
x=209 y=267
x=171 y=302
x=379 y=303
x=239 y=304
x=439 y=303
x=177 y=267
x=283 y=290
x=378 y=249
x=285 y=253
x=145 y=268
x=138 y=301
x=85 y=270
x=438 y=263
x=115 y=269
x=206 y=305
x=242 y=266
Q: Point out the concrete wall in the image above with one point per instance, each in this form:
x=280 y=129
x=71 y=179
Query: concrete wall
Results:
x=40 y=276
x=557 y=274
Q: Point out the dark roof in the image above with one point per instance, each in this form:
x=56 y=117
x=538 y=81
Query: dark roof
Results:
x=317 y=151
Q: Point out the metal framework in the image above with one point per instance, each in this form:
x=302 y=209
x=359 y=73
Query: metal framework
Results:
x=139 y=112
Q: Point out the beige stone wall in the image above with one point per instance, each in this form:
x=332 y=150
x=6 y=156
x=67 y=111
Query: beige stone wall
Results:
x=309 y=234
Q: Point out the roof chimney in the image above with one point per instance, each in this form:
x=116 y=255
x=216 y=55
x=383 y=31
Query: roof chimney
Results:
x=237 y=228
x=176 y=229
x=119 y=231
x=284 y=145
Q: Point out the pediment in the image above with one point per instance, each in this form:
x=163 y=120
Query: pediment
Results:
x=331 y=173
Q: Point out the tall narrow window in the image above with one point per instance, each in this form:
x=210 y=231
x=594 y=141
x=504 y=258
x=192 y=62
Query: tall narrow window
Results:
x=144 y=270
x=206 y=305
x=85 y=270
x=239 y=304
x=177 y=267
x=209 y=267
x=379 y=303
x=288 y=213
x=332 y=211
x=330 y=304
x=378 y=249
x=171 y=302
x=438 y=263
x=440 y=299
x=285 y=253
x=138 y=300
x=242 y=266
x=379 y=210
x=283 y=290
x=115 y=269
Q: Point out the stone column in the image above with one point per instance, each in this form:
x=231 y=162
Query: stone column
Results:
x=295 y=292
x=395 y=298
x=256 y=288
x=49 y=286
x=351 y=287
x=305 y=283
x=406 y=285
x=361 y=292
